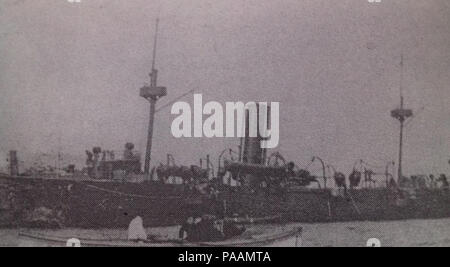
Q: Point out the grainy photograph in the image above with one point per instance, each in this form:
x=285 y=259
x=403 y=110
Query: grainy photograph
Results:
x=224 y=123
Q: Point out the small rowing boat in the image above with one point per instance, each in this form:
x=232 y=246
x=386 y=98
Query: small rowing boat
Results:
x=42 y=240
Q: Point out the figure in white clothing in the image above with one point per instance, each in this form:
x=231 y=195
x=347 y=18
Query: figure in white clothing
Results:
x=136 y=230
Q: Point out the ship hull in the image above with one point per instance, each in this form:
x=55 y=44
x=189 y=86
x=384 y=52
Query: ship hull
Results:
x=34 y=202
x=318 y=205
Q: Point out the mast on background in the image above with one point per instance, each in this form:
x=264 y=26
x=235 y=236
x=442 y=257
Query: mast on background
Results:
x=401 y=114
x=152 y=93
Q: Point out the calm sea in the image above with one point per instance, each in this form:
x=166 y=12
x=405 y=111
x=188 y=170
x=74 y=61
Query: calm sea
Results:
x=420 y=233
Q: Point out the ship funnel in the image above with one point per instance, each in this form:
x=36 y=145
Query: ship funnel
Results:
x=251 y=150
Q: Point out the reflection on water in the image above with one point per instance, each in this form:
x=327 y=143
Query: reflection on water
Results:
x=422 y=233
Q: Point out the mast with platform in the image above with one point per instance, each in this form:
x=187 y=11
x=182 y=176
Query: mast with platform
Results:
x=401 y=114
x=152 y=93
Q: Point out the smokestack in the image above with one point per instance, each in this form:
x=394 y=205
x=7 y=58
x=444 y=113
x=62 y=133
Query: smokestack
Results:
x=13 y=163
x=252 y=152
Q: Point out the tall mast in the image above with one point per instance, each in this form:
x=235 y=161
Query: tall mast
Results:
x=154 y=52
x=402 y=115
x=152 y=93
x=401 y=80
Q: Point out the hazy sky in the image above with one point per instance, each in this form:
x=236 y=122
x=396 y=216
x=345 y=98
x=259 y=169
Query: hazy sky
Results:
x=70 y=74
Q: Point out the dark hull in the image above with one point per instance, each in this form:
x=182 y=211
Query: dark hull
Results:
x=93 y=204
x=310 y=206
x=32 y=202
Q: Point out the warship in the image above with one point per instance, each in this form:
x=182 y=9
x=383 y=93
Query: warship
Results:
x=249 y=184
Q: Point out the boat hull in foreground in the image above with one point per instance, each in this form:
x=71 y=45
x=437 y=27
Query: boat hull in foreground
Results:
x=42 y=240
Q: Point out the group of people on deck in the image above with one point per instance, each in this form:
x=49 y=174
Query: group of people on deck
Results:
x=195 y=229
x=209 y=229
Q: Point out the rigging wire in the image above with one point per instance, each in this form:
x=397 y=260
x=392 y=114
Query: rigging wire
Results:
x=173 y=101
x=414 y=116
x=372 y=165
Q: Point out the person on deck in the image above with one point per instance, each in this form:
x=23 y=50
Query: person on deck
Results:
x=444 y=181
x=208 y=229
x=188 y=230
x=203 y=229
x=136 y=230
x=232 y=230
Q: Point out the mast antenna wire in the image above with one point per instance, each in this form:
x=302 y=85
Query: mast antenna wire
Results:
x=401 y=76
